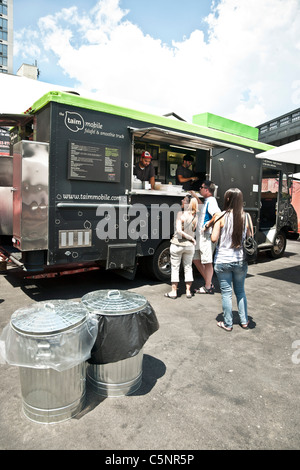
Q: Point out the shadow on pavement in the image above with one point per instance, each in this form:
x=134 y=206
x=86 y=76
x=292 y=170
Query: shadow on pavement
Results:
x=72 y=285
x=152 y=370
x=291 y=274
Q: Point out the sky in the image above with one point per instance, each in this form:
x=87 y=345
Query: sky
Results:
x=239 y=59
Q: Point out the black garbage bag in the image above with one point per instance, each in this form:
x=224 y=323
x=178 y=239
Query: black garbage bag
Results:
x=123 y=336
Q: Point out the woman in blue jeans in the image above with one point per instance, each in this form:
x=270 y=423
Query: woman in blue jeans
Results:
x=229 y=230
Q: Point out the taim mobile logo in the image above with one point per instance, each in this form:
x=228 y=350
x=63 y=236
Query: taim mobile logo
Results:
x=74 y=121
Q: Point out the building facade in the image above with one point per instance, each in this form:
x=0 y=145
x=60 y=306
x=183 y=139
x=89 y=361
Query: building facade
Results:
x=281 y=130
x=6 y=36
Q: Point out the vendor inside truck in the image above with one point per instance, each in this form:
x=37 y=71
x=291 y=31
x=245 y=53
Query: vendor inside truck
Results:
x=144 y=169
x=184 y=175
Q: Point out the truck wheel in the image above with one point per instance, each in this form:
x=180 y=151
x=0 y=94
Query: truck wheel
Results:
x=159 y=265
x=279 y=245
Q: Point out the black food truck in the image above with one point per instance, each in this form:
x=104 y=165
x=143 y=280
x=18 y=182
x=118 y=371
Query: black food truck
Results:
x=69 y=198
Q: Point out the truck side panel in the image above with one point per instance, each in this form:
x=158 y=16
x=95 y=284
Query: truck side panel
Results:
x=236 y=169
x=92 y=214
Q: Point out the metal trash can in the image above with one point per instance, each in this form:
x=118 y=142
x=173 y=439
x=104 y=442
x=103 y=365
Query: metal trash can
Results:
x=126 y=320
x=50 y=342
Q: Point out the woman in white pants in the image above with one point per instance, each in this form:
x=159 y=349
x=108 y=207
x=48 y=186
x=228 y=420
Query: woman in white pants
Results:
x=182 y=245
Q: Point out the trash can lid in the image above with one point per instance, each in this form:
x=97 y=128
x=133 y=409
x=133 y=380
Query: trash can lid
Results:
x=48 y=317
x=114 y=302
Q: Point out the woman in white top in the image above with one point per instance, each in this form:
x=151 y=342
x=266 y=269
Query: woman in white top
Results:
x=182 y=245
x=230 y=229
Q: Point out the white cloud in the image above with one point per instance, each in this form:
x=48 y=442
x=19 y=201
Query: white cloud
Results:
x=248 y=69
x=30 y=46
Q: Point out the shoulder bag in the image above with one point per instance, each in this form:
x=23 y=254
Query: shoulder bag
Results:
x=249 y=246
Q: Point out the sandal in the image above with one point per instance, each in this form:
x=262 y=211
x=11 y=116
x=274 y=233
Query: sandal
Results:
x=245 y=326
x=170 y=296
x=188 y=296
x=204 y=290
x=222 y=325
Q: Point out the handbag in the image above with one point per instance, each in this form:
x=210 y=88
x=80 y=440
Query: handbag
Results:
x=249 y=247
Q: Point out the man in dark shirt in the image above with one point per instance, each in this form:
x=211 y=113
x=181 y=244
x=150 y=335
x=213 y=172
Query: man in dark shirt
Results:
x=184 y=175
x=144 y=170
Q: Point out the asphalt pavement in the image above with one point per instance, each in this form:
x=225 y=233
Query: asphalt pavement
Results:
x=203 y=388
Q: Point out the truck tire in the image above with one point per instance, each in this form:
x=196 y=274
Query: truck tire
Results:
x=279 y=245
x=159 y=265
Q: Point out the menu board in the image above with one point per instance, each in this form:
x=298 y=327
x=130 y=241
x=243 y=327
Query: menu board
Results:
x=94 y=162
